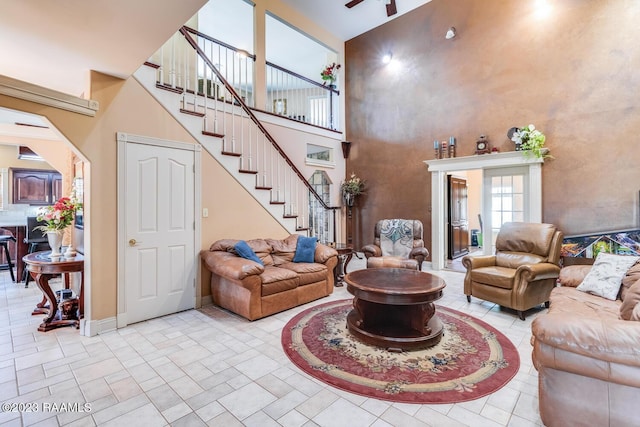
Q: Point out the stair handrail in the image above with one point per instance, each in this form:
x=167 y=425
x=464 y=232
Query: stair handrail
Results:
x=184 y=30
x=301 y=77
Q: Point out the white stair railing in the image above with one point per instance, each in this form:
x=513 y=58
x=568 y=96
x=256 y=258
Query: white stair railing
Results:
x=222 y=104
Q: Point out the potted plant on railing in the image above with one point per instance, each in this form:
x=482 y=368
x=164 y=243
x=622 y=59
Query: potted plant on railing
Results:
x=57 y=218
x=330 y=74
x=352 y=188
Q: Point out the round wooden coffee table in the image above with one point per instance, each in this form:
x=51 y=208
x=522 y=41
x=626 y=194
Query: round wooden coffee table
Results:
x=393 y=308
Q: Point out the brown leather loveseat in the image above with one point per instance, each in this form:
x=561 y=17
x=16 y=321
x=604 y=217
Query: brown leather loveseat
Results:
x=587 y=356
x=253 y=290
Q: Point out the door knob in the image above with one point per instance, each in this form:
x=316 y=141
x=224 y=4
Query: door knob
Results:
x=132 y=242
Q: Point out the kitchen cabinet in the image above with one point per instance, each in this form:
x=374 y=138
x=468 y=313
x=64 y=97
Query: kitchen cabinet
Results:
x=35 y=186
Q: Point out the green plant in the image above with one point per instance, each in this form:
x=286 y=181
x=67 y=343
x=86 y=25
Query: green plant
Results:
x=531 y=140
x=353 y=186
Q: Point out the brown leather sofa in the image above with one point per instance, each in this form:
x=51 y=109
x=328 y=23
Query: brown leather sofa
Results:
x=588 y=359
x=523 y=271
x=254 y=291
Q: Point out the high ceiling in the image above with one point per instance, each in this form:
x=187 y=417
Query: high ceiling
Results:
x=348 y=23
x=54 y=44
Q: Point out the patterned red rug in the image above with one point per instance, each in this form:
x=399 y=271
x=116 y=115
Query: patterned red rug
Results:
x=472 y=360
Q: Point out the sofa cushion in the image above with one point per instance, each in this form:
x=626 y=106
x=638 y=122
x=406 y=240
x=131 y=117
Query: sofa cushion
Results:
x=283 y=251
x=259 y=246
x=631 y=277
x=500 y=277
x=566 y=300
x=262 y=249
x=305 y=249
x=605 y=277
x=276 y=279
x=243 y=250
x=307 y=272
x=631 y=300
x=512 y=259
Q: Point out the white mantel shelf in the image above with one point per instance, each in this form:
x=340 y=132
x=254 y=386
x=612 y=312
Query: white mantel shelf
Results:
x=482 y=161
x=439 y=169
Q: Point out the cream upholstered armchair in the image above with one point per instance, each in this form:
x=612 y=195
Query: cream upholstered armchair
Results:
x=397 y=243
x=523 y=271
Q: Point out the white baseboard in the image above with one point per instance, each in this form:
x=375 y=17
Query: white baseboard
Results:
x=95 y=327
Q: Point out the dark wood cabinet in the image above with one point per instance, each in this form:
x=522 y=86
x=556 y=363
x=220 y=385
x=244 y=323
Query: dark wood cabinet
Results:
x=36 y=187
x=458 y=220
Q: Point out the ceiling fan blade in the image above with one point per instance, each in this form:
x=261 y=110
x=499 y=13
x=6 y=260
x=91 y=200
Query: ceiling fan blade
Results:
x=353 y=3
x=391 y=8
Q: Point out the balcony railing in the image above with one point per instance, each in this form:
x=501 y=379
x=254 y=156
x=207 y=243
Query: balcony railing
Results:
x=300 y=98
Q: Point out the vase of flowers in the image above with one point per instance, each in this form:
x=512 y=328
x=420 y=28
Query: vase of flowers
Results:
x=531 y=140
x=330 y=74
x=352 y=188
x=57 y=218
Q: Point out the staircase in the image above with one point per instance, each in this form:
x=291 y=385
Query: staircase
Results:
x=183 y=78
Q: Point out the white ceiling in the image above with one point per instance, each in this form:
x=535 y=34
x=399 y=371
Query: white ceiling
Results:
x=346 y=23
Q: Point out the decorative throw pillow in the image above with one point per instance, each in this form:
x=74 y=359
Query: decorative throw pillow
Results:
x=243 y=249
x=631 y=300
x=605 y=277
x=305 y=249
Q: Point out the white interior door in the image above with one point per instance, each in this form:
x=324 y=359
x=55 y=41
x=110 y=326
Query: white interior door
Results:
x=505 y=199
x=159 y=262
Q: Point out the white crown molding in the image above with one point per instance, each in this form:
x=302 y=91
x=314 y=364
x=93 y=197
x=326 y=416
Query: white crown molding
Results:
x=41 y=95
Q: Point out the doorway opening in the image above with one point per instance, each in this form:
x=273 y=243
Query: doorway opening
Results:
x=493 y=165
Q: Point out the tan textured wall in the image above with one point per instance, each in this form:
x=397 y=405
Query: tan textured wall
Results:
x=571 y=71
x=126 y=107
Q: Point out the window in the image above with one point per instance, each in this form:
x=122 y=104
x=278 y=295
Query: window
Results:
x=320 y=156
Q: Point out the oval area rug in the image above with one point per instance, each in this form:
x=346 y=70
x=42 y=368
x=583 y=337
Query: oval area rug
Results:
x=472 y=360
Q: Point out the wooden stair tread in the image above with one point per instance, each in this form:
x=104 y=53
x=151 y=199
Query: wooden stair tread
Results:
x=290 y=216
x=231 y=153
x=248 y=171
x=276 y=203
x=151 y=64
x=192 y=113
x=169 y=88
x=263 y=188
x=216 y=135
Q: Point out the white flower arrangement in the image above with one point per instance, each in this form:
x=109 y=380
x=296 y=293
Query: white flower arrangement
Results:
x=531 y=139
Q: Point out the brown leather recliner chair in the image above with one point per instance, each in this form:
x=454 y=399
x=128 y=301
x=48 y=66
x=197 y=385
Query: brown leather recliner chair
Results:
x=397 y=243
x=523 y=271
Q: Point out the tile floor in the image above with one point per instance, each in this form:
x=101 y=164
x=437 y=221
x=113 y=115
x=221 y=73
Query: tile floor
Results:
x=192 y=369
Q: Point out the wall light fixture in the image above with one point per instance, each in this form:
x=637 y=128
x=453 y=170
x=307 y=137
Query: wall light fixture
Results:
x=451 y=33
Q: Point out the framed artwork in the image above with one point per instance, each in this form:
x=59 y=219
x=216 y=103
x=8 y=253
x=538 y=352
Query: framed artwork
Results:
x=280 y=106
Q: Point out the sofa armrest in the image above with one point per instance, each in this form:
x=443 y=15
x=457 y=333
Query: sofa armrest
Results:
x=610 y=340
x=472 y=262
x=573 y=275
x=324 y=253
x=229 y=265
x=419 y=254
x=371 y=250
